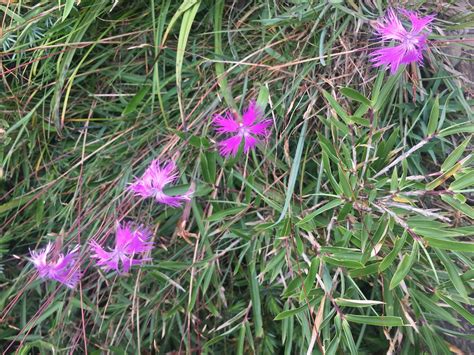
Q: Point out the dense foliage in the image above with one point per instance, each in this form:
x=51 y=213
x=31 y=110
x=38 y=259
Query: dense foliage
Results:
x=348 y=231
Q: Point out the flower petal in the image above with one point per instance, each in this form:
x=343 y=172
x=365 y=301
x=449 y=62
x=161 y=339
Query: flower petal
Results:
x=64 y=269
x=418 y=23
x=261 y=128
x=390 y=27
x=162 y=176
x=106 y=260
x=155 y=178
x=173 y=201
x=38 y=258
x=412 y=55
x=131 y=239
x=252 y=114
x=390 y=56
x=250 y=143
x=140 y=189
x=225 y=124
x=230 y=146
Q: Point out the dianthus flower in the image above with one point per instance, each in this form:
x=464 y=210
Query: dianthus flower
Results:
x=250 y=129
x=63 y=268
x=409 y=44
x=131 y=242
x=153 y=181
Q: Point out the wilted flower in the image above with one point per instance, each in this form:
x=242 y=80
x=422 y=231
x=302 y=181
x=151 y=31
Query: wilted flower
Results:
x=131 y=241
x=153 y=181
x=63 y=268
x=410 y=44
x=249 y=129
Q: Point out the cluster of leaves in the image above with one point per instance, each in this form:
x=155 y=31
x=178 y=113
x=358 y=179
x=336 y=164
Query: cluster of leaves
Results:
x=349 y=231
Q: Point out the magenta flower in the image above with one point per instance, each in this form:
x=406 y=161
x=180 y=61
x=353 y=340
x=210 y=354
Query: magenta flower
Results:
x=409 y=44
x=63 y=268
x=153 y=181
x=131 y=241
x=249 y=129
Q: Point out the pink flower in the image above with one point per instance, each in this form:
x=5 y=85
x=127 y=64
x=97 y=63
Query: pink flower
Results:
x=249 y=129
x=410 y=44
x=153 y=181
x=131 y=241
x=64 y=268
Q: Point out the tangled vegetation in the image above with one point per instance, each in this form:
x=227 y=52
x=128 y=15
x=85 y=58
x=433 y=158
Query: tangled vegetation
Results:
x=348 y=230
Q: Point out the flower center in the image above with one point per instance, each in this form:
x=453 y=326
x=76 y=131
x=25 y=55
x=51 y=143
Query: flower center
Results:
x=243 y=130
x=410 y=41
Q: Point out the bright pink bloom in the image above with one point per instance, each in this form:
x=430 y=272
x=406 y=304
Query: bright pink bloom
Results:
x=64 y=268
x=249 y=129
x=131 y=241
x=410 y=44
x=153 y=181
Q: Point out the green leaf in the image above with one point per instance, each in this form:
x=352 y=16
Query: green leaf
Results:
x=138 y=98
x=15 y=203
x=394 y=181
x=333 y=347
x=328 y=206
x=386 y=90
x=404 y=267
x=452 y=272
x=241 y=342
x=462 y=181
x=351 y=264
x=259 y=192
x=349 y=340
x=445 y=176
x=290 y=312
x=208 y=166
x=263 y=95
x=220 y=71
x=187 y=21
x=275 y=264
x=285 y=228
x=382 y=321
x=457 y=307
x=359 y=120
x=255 y=292
x=333 y=122
x=355 y=95
x=220 y=215
x=432 y=229
x=468 y=275
x=337 y=108
x=52 y=308
x=45 y=347
x=310 y=278
x=67 y=8
x=434 y=118
x=455 y=155
x=344 y=183
x=448 y=244
x=195 y=141
x=389 y=259
x=185 y=6
x=294 y=172
x=430 y=305
x=328 y=148
x=370 y=269
x=294 y=311
x=344 y=302
x=464 y=127
x=461 y=207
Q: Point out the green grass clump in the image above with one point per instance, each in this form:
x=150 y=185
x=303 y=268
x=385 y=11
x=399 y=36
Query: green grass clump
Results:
x=348 y=231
